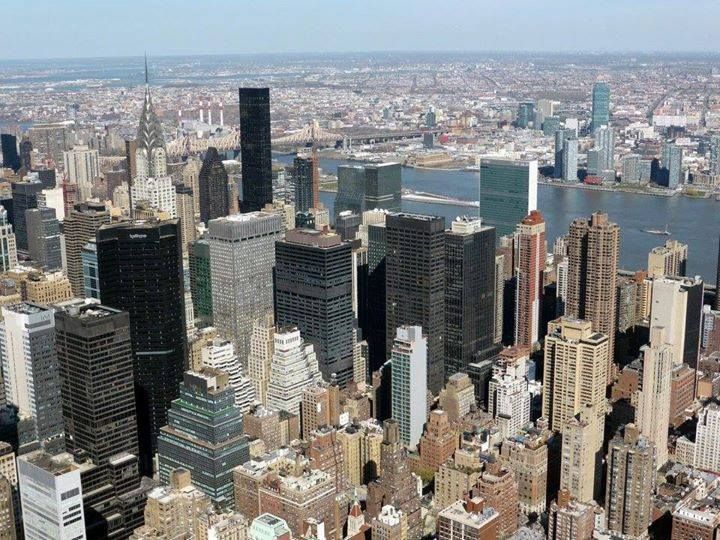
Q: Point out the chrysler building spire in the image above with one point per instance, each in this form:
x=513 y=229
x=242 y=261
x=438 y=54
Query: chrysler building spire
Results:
x=150 y=156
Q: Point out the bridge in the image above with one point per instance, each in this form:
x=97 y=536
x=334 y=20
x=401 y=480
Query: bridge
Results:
x=310 y=134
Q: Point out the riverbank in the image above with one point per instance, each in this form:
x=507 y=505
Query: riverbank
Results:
x=610 y=189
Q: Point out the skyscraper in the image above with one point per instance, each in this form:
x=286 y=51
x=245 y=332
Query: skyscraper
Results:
x=525 y=114
x=677 y=305
x=9 y=148
x=369 y=187
x=570 y=159
x=255 y=148
x=8 y=247
x=140 y=267
x=262 y=347
x=213 y=187
x=242 y=256
x=96 y=367
x=631 y=171
x=25 y=196
x=593 y=251
x=375 y=331
x=158 y=192
x=508 y=192
x=672 y=162
x=707 y=438
x=581 y=459
x=530 y=241
x=185 y=202
x=313 y=291
x=469 y=293
x=306 y=174
x=628 y=491
x=560 y=135
x=52 y=497
x=409 y=382
x=600 y=106
x=293 y=368
x=150 y=153
x=44 y=237
x=605 y=146
x=201 y=281
x=204 y=435
x=668 y=260
x=26 y=149
x=220 y=354
x=82 y=166
x=31 y=373
x=575 y=370
x=714 y=155
x=415 y=284
x=652 y=415
x=79 y=226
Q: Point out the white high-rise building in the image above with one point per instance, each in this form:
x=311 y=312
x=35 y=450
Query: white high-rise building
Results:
x=562 y=286
x=409 y=382
x=262 y=347
x=220 y=354
x=509 y=402
x=51 y=497
x=8 y=248
x=605 y=146
x=159 y=192
x=82 y=166
x=570 y=160
x=652 y=414
x=707 y=439
x=671 y=300
x=294 y=368
x=31 y=373
x=242 y=257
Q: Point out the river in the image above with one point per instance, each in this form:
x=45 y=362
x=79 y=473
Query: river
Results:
x=695 y=222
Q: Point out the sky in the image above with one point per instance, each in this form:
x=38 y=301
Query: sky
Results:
x=93 y=28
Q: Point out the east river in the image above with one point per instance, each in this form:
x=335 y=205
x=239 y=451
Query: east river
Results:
x=695 y=222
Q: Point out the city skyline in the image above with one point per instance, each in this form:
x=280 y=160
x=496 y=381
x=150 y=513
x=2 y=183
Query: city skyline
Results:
x=340 y=296
x=380 y=26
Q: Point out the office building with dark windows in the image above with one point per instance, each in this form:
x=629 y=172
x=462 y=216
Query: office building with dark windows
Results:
x=469 y=293
x=140 y=267
x=255 y=148
x=508 y=192
x=415 y=284
x=204 y=435
x=213 y=184
x=313 y=291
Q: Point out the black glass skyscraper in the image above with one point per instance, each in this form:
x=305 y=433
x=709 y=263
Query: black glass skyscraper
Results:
x=95 y=356
x=469 y=294
x=717 y=280
x=140 y=270
x=255 y=148
x=8 y=145
x=214 y=193
x=374 y=332
x=313 y=291
x=25 y=197
x=304 y=171
x=26 y=149
x=415 y=284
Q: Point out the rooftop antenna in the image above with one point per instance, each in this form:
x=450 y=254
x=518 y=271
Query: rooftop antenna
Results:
x=146 y=70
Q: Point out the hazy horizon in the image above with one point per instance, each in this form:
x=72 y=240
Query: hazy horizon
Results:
x=91 y=29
